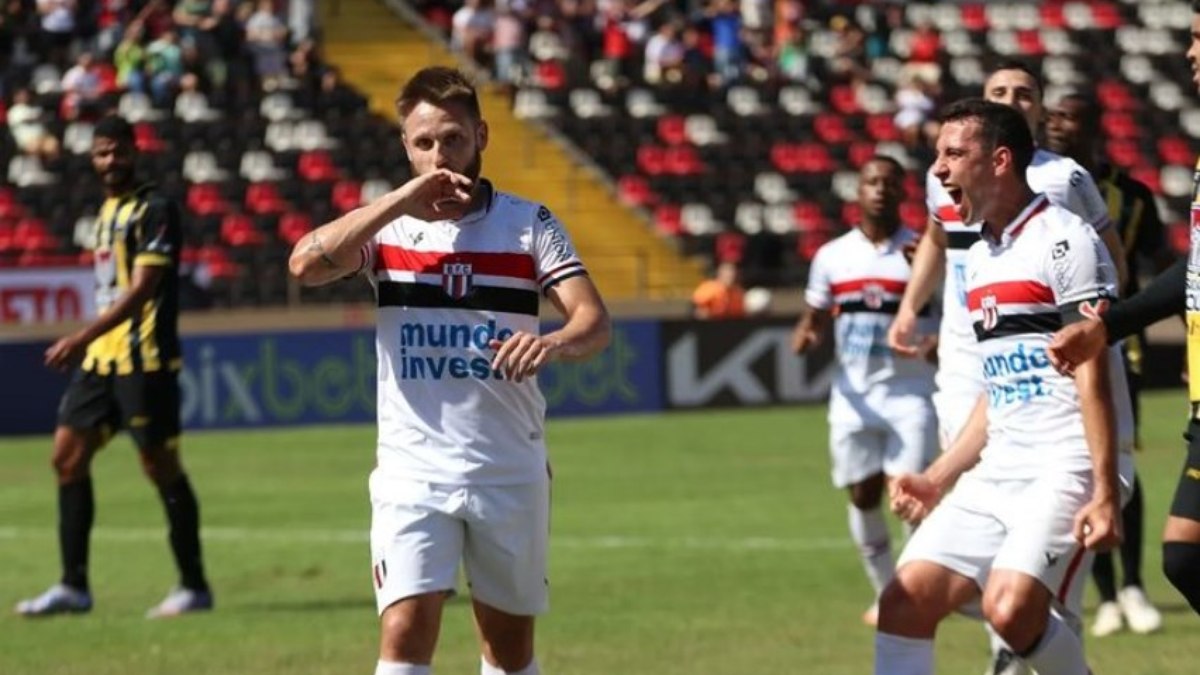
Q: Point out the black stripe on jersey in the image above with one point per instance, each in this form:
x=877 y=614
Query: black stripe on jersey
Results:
x=581 y=272
x=961 y=241
x=1020 y=324
x=486 y=298
x=1084 y=309
x=886 y=307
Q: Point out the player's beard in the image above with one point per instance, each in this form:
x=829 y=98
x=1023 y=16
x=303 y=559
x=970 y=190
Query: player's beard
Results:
x=474 y=168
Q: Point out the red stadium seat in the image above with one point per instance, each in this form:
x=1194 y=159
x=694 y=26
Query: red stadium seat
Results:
x=1115 y=95
x=32 y=234
x=1123 y=153
x=729 y=247
x=815 y=158
x=1051 y=14
x=1175 y=150
x=652 y=160
x=218 y=263
x=145 y=137
x=974 y=17
x=671 y=130
x=851 y=213
x=831 y=128
x=668 y=220
x=1030 y=43
x=237 y=229
x=914 y=215
x=809 y=243
x=860 y=153
x=844 y=100
x=204 y=199
x=1150 y=175
x=1120 y=124
x=264 y=198
x=1107 y=16
x=634 y=190
x=785 y=157
x=293 y=226
x=683 y=160
x=809 y=217
x=347 y=195
x=316 y=166
x=882 y=128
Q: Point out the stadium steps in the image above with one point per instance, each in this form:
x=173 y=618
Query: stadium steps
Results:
x=376 y=50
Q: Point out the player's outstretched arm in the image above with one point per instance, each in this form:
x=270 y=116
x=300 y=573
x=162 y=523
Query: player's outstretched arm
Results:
x=927 y=265
x=586 y=333
x=335 y=250
x=1098 y=524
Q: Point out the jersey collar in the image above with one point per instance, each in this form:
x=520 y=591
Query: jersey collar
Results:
x=1014 y=228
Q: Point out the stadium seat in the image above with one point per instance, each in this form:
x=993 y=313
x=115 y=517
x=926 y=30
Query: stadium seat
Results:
x=729 y=247
x=809 y=217
x=1175 y=150
x=316 y=166
x=671 y=130
x=205 y=199
x=1179 y=236
x=651 y=160
x=748 y=217
x=667 y=220
x=237 y=229
x=294 y=225
x=264 y=198
x=347 y=195
x=633 y=190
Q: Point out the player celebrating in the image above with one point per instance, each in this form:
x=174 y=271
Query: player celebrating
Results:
x=1047 y=486
x=880 y=414
x=461 y=473
x=948 y=236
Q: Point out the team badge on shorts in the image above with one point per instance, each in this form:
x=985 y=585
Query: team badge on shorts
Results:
x=456 y=279
x=991 y=312
x=379 y=573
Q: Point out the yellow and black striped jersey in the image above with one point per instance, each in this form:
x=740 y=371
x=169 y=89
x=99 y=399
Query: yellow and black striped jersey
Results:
x=137 y=228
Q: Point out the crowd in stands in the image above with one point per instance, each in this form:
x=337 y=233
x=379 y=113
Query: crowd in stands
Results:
x=238 y=118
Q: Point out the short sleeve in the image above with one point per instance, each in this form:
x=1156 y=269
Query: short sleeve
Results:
x=554 y=256
x=818 y=294
x=1080 y=273
x=159 y=237
x=1077 y=193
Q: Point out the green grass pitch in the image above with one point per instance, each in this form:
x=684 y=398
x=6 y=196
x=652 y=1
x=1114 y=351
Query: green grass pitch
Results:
x=701 y=543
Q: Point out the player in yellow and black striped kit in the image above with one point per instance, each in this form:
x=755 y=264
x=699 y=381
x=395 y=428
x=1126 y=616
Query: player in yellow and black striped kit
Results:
x=128 y=378
x=1177 y=288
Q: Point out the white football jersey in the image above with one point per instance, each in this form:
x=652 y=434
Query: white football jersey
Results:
x=444 y=290
x=862 y=283
x=1061 y=179
x=1049 y=268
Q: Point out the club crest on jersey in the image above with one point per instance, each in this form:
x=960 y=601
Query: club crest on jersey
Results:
x=872 y=296
x=991 y=312
x=456 y=279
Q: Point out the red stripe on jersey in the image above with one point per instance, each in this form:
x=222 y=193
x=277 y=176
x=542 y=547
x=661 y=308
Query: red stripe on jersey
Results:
x=856 y=285
x=1011 y=293
x=1036 y=210
x=517 y=265
x=948 y=214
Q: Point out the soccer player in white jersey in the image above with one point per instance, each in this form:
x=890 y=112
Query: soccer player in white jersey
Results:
x=881 y=420
x=1035 y=479
x=461 y=472
x=959 y=380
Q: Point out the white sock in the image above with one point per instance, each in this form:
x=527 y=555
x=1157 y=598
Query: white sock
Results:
x=486 y=668
x=399 y=668
x=895 y=655
x=1059 y=651
x=869 y=531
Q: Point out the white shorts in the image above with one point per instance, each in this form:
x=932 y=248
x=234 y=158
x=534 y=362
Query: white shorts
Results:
x=902 y=440
x=420 y=532
x=1025 y=525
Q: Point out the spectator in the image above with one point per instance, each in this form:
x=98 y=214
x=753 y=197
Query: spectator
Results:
x=189 y=15
x=793 y=57
x=164 y=66
x=924 y=50
x=130 y=58
x=664 y=54
x=915 y=103
x=697 y=67
x=508 y=45
x=300 y=19
x=222 y=40
x=721 y=297
x=81 y=87
x=849 y=56
x=28 y=128
x=756 y=14
x=266 y=39
x=57 y=29
x=471 y=29
x=726 y=23
x=111 y=19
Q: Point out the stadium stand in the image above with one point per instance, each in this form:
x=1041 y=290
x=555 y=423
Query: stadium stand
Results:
x=733 y=128
x=755 y=147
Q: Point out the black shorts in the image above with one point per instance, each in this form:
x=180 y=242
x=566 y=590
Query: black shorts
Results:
x=1187 y=493
x=147 y=404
